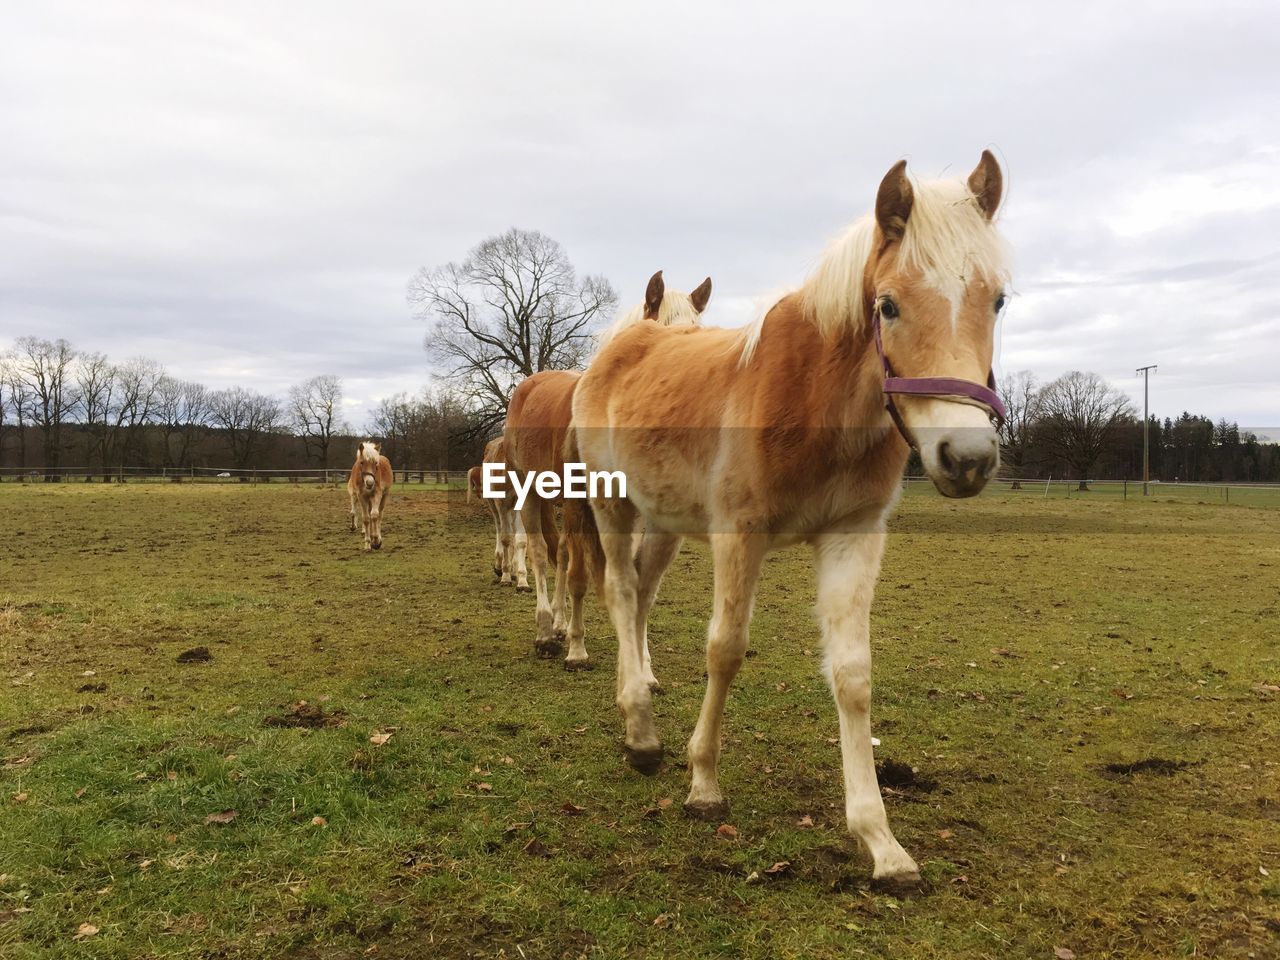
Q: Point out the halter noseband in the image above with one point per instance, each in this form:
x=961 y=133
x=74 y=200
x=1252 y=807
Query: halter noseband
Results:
x=943 y=388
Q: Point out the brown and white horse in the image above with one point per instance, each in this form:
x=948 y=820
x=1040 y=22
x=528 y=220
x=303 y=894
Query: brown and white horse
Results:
x=509 y=537
x=537 y=421
x=797 y=430
x=369 y=485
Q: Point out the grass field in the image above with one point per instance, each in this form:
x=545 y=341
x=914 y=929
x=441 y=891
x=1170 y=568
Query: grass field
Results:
x=1029 y=653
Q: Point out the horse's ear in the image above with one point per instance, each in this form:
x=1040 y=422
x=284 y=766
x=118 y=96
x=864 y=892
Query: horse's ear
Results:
x=987 y=184
x=653 y=296
x=893 y=202
x=701 y=294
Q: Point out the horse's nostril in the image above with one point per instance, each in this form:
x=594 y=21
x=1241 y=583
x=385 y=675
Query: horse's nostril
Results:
x=950 y=465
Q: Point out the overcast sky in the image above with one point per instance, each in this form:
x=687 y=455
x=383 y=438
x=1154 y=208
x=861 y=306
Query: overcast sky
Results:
x=241 y=191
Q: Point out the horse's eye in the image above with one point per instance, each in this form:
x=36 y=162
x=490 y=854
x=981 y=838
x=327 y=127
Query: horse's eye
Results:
x=1000 y=302
x=888 y=309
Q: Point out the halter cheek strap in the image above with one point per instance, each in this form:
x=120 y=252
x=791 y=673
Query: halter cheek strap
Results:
x=943 y=388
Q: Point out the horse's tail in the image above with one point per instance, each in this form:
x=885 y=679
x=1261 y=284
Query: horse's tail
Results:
x=473 y=484
x=582 y=535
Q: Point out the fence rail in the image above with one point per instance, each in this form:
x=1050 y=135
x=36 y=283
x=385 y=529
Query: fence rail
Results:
x=212 y=475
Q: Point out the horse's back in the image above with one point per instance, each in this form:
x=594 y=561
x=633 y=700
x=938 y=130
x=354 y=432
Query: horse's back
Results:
x=538 y=417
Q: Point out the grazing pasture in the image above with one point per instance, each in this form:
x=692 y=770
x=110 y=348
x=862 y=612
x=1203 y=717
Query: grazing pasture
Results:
x=226 y=731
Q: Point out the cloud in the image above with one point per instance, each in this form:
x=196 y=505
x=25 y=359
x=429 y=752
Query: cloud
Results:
x=241 y=190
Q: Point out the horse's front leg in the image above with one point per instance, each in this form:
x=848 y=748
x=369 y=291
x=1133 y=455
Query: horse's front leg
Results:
x=351 y=494
x=657 y=550
x=737 y=559
x=847 y=566
x=365 y=522
x=379 y=502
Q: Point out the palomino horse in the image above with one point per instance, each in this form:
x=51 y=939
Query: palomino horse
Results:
x=509 y=536
x=797 y=430
x=369 y=486
x=537 y=421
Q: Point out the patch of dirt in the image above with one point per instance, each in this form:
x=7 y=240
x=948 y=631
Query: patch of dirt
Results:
x=903 y=776
x=195 y=655
x=310 y=715
x=1156 y=765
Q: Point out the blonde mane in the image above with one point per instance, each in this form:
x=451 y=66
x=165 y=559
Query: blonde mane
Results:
x=369 y=452
x=948 y=240
x=676 y=308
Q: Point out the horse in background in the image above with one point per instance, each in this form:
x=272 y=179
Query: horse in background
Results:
x=538 y=420
x=797 y=430
x=369 y=485
x=510 y=541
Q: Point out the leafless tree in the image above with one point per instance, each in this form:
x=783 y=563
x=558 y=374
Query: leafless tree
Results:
x=315 y=413
x=1021 y=395
x=182 y=410
x=17 y=399
x=96 y=381
x=133 y=405
x=1080 y=412
x=512 y=308
x=246 y=418
x=42 y=369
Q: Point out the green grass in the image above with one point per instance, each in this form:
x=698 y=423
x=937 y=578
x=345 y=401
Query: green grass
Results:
x=1022 y=645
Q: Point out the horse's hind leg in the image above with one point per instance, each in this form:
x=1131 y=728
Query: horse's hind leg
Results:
x=519 y=550
x=500 y=567
x=545 y=643
x=351 y=494
x=571 y=548
x=848 y=564
x=737 y=568
x=657 y=550
x=641 y=744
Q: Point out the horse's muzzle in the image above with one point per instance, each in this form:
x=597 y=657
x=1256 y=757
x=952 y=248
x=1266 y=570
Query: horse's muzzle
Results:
x=961 y=461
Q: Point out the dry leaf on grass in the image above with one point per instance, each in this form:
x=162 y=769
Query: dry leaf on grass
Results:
x=380 y=739
x=318 y=821
x=1064 y=953
x=779 y=869
x=20 y=797
x=805 y=821
x=571 y=809
x=85 y=930
x=221 y=817
x=945 y=834
x=728 y=831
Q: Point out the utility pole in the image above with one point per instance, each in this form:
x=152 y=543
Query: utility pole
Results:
x=1146 y=425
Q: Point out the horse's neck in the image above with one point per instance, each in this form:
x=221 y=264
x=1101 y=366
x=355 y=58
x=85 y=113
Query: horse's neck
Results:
x=838 y=380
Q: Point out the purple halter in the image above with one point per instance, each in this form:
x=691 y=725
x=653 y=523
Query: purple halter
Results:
x=944 y=388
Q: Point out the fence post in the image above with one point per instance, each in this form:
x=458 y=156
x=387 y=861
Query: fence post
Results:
x=1126 y=488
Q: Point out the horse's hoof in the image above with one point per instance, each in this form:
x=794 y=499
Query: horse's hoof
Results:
x=656 y=688
x=572 y=665
x=523 y=588
x=900 y=885
x=646 y=760
x=548 y=647
x=378 y=545
x=497 y=572
x=712 y=811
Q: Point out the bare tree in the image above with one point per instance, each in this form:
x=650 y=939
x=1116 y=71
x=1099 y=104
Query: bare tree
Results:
x=1021 y=395
x=182 y=410
x=512 y=308
x=133 y=405
x=315 y=414
x=96 y=380
x=43 y=369
x=246 y=418
x=1080 y=412
x=16 y=397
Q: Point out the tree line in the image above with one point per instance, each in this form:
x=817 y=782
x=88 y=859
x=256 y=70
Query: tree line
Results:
x=1079 y=427
x=63 y=407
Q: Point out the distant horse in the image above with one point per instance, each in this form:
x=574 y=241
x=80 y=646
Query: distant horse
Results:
x=509 y=537
x=369 y=485
x=797 y=430
x=537 y=422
